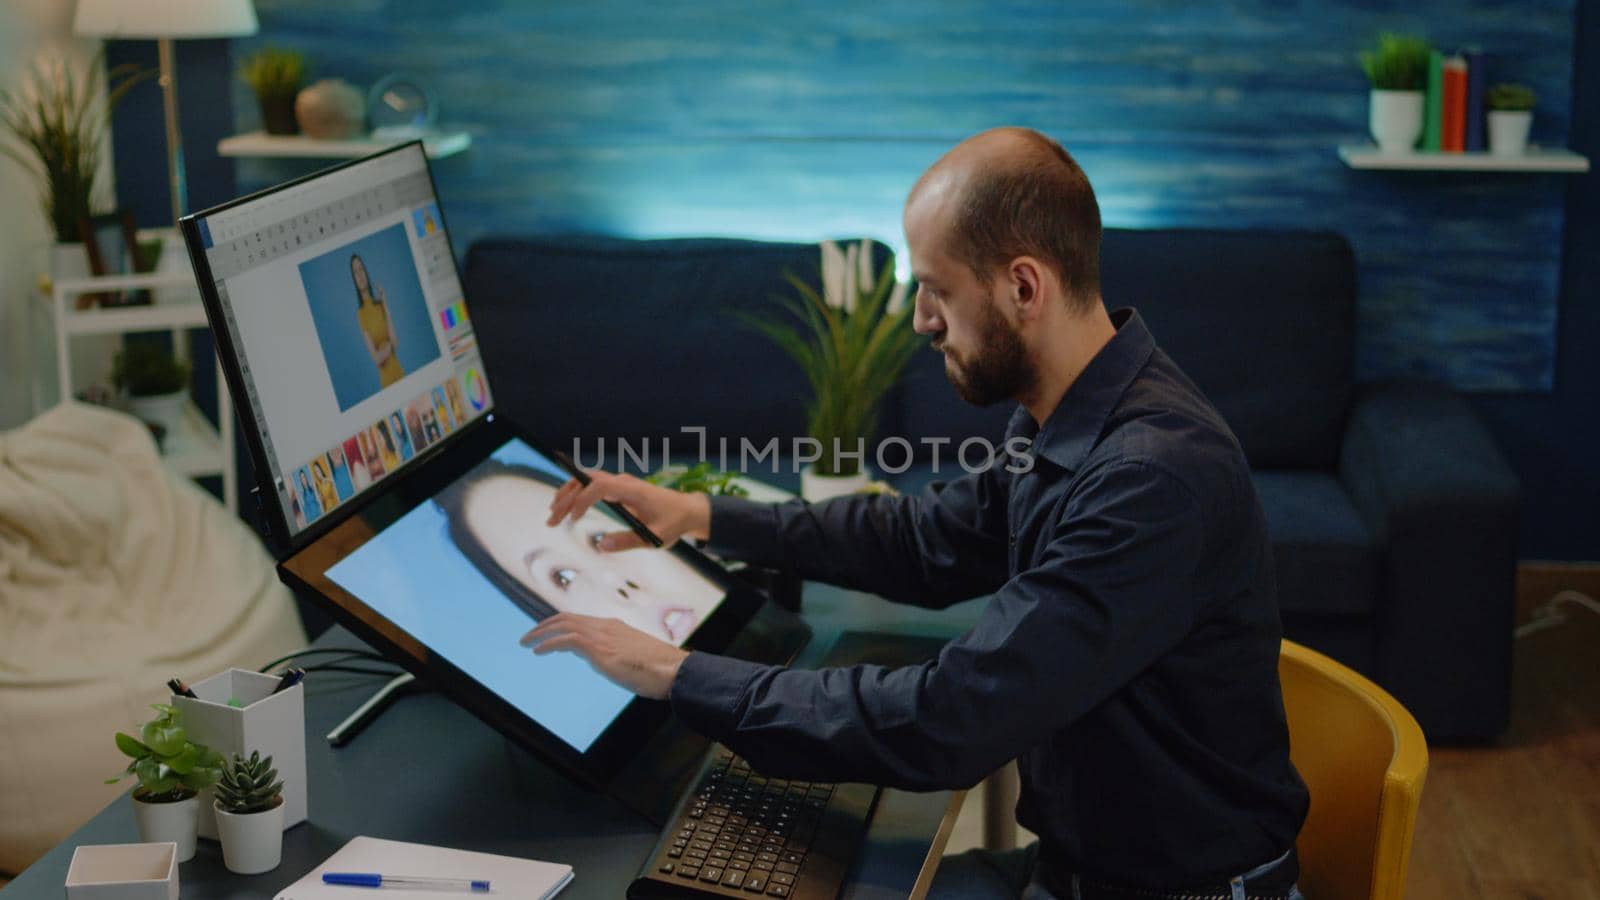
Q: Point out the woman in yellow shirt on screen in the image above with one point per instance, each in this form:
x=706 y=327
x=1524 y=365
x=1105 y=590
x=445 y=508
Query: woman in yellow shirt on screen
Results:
x=324 y=483
x=377 y=327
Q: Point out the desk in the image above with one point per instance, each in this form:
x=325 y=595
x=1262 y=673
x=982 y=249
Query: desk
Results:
x=429 y=772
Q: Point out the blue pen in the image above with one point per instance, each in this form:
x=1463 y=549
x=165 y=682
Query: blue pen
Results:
x=374 y=880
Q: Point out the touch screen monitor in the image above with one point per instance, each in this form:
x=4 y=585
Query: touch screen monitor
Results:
x=398 y=495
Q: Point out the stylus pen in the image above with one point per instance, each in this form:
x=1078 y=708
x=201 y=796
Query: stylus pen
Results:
x=374 y=880
x=366 y=712
x=584 y=479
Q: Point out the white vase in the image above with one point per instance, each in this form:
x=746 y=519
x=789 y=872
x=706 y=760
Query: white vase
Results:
x=1395 y=120
x=251 y=843
x=165 y=410
x=1508 y=131
x=176 y=822
x=815 y=487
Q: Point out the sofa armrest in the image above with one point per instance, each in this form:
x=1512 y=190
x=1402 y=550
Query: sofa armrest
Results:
x=1444 y=506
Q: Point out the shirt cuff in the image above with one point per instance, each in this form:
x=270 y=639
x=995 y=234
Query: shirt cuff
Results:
x=708 y=692
x=746 y=530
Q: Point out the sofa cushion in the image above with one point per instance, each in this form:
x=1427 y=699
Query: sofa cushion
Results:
x=1263 y=321
x=611 y=338
x=1326 y=558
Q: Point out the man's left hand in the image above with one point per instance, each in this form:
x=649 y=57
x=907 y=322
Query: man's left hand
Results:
x=639 y=662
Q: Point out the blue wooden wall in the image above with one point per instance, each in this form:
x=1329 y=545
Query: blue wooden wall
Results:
x=786 y=120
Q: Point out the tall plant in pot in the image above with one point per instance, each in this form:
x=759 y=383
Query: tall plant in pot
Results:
x=172 y=771
x=250 y=815
x=1510 y=118
x=1398 y=71
x=155 y=381
x=852 y=340
x=276 y=75
x=56 y=124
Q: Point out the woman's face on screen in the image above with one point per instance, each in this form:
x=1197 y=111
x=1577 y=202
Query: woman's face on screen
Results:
x=648 y=590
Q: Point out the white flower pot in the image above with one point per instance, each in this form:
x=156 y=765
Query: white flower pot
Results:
x=176 y=822
x=1508 y=131
x=251 y=843
x=1395 y=119
x=816 y=488
x=165 y=410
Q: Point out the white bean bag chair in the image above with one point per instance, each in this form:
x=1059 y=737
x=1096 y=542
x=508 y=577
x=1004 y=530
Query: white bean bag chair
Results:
x=115 y=575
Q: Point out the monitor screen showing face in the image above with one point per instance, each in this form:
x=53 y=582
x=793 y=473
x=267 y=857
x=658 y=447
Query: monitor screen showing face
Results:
x=470 y=571
x=341 y=300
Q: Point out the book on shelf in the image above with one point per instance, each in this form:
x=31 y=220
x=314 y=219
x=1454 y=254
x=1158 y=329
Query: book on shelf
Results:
x=1453 y=106
x=1476 y=98
x=1430 y=109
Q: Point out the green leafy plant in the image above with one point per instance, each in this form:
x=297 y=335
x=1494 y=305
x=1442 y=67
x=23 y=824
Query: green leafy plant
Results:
x=1400 y=63
x=852 y=345
x=699 y=478
x=1512 y=97
x=146 y=369
x=274 y=72
x=169 y=766
x=249 y=785
x=57 y=125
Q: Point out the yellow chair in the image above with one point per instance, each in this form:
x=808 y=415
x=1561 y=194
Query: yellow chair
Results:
x=1364 y=758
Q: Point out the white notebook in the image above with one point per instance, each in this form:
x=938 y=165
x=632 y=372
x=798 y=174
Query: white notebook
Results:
x=508 y=876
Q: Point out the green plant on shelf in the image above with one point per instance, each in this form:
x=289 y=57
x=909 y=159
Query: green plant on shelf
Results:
x=146 y=369
x=1512 y=97
x=274 y=72
x=1398 y=63
x=249 y=785
x=699 y=478
x=169 y=766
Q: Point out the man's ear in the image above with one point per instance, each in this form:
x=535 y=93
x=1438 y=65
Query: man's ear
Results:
x=1026 y=276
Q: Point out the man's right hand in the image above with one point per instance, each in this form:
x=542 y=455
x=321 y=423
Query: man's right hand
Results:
x=670 y=514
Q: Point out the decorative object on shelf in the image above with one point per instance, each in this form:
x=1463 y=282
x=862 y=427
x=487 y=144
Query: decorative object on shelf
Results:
x=172 y=771
x=276 y=75
x=249 y=808
x=330 y=110
x=699 y=478
x=112 y=246
x=852 y=341
x=401 y=107
x=1510 y=118
x=156 y=383
x=165 y=21
x=123 y=872
x=1398 y=71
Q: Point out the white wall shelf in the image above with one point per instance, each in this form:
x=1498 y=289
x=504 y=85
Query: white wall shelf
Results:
x=1536 y=160
x=198 y=448
x=298 y=146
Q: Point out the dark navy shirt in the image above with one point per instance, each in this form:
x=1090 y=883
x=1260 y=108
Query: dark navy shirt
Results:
x=1128 y=655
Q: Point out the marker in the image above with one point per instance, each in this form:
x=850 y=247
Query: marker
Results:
x=289 y=679
x=181 y=689
x=374 y=880
x=584 y=479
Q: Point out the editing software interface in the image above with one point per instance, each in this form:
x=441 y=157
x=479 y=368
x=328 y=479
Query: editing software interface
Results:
x=345 y=309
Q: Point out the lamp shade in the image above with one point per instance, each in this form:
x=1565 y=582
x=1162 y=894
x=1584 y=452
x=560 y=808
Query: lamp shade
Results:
x=164 y=18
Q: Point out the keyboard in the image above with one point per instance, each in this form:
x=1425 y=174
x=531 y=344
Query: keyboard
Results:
x=738 y=833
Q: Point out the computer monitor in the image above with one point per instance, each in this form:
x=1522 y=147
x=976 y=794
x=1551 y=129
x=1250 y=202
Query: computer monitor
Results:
x=399 y=496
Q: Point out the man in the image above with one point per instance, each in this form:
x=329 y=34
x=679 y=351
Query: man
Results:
x=1128 y=655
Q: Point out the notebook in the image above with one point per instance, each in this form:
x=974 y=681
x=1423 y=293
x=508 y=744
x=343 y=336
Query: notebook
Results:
x=508 y=876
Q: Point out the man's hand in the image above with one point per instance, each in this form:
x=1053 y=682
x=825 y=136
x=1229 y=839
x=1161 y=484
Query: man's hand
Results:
x=669 y=513
x=622 y=653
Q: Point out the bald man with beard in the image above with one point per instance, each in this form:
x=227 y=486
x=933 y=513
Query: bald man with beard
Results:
x=1127 y=654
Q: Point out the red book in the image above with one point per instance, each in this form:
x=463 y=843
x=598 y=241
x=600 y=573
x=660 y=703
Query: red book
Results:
x=1453 y=107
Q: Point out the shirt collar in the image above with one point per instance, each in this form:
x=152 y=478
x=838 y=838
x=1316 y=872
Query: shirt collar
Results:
x=1075 y=424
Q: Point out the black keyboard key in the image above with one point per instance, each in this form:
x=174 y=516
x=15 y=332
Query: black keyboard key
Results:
x=712 y=874
x=689 y=872
x=777 y=890
x=786 y=868
x=755 y=883
x=791 y=856
x=666 y=868
x=737 y=864
x=776 y=878
x=733 y=878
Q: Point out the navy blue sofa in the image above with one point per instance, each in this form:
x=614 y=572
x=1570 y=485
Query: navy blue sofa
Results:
x=1393 y=515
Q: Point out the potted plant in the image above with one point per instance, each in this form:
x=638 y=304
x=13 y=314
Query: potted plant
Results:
x=155 y=382
x=172 y=771
x=699 y=478
x=1510 y=118
x=57 y=123
x=276 y=75
x=852 y=341
x=250 y=815
x=1398 y=71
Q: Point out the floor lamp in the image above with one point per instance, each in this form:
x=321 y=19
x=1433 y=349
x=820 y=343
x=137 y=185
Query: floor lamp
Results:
x=166 y=21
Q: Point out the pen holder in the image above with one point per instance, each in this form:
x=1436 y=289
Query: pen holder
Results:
x=273 y=724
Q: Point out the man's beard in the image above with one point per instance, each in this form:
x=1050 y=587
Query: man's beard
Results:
x=998 y=371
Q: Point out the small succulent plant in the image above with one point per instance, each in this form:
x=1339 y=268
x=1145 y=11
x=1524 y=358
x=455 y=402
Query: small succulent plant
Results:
x=248 y=785
x=1400 y=63
x=1512 y=97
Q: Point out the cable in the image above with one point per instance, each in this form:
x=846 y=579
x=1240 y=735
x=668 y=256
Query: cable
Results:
x=379 y=673
x=1548 y=614
x=316 y=651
